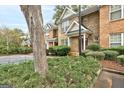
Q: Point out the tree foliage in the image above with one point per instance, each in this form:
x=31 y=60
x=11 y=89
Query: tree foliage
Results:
x=12 y=36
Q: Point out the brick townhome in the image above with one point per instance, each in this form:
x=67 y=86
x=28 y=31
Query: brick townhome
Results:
x=51 y=35
x=69 y=28
x=100 y=24
x=111 y=26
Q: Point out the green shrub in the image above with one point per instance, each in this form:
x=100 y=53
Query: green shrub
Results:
x=110 y=55
x=15 y=50
x=83 y=53
x=120 y=59
x=63 y=72
x=59 y=50
x=94 y=47
x=119 y=49
x=96 y=55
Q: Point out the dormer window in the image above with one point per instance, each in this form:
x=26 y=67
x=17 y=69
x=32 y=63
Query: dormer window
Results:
x=116 y=12
x=65 y=25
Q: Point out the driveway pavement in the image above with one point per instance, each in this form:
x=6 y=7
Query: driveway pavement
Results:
x=15 y=58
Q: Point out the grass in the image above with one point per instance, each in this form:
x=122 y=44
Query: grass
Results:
x=63 y=72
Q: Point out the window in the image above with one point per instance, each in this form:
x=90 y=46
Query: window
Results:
x=64 y=42
x=116 y=39
x=115 y=12
x=65 y=25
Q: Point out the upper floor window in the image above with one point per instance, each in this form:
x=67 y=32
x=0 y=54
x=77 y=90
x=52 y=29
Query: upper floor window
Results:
x=65 y=25
x=116 y=12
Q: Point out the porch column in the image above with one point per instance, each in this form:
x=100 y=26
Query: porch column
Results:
x=84 y=41
x=68 y=41
x=122 y=39
x=47 y=45
x=53 y=43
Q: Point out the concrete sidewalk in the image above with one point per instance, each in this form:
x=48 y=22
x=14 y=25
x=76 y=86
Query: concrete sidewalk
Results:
x=109 y=80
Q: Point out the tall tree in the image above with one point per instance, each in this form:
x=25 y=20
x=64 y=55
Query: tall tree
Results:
x=12 y=36
x=33 y=16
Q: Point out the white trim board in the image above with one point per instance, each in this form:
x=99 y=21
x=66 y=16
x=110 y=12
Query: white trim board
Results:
x=72 y=25
x=67 y=8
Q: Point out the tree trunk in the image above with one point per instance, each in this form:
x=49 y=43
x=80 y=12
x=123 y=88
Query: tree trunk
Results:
x=34 y=21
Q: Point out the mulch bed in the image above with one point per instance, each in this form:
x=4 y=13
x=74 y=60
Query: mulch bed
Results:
x=112 y=65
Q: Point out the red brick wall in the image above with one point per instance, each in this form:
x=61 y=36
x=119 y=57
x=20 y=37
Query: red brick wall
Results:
x=107 y=27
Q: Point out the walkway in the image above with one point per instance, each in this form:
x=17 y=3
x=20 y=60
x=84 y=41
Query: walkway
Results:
x=110 y=80
x=112 y=75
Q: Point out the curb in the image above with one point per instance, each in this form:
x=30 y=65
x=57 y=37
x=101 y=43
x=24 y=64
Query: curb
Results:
x=98 y=74
x=113 y=71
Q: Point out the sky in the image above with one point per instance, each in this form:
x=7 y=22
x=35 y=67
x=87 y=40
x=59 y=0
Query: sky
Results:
x=12 y=17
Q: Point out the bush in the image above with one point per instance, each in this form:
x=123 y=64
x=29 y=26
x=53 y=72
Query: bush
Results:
x=15 y=50
x=63 y=72
x=94 y=47
x=96 y=55
x=84 y=52
x=120 y=59
x=119 y=49
x=110 y=55
x=59 y=50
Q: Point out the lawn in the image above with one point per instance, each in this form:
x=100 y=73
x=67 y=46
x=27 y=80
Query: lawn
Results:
x=63 y=72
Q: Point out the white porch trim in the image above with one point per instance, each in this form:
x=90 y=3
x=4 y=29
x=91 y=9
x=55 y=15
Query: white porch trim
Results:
x=68 y=41
x=84 y=41
x=122 y=39
x=75 y=23
x=66 y=8
x=53 y=43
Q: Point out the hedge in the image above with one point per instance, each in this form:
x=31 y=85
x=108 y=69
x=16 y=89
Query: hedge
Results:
x=94 y=47
x=59 y=50
x=119 y=49
x=110 y=55
x=120 y=59
x=83 y=53
x=96 y=54
x=15 y=50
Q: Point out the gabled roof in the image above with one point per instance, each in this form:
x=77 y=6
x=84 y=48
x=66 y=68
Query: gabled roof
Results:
x=64 y=12
x=88 y=10
x=84 y=12
x=74 y=27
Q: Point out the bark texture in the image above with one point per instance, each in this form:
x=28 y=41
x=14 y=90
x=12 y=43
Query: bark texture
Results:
x=34 y=21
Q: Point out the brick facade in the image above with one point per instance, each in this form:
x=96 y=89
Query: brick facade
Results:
x=61 y=33
x=107 y=27
x=52 y=37
x=91 y=22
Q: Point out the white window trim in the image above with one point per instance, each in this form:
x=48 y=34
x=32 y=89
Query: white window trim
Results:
x=122 y=40
x=122 y=14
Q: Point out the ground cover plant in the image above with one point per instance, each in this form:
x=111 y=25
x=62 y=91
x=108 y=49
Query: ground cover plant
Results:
x=63 y=72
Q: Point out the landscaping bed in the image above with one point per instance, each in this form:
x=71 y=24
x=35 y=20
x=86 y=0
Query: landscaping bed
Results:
x=63 y=72
x=113 y=65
